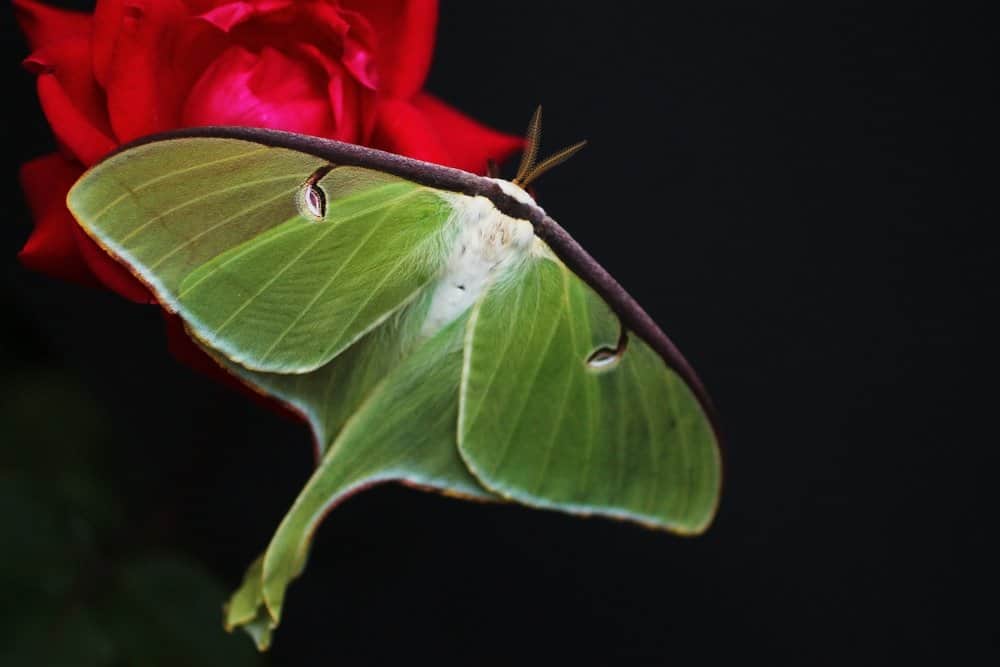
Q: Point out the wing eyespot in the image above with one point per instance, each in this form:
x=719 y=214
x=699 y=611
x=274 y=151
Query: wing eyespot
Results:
x=315 y=201
x=605 y=357
x=311 y=199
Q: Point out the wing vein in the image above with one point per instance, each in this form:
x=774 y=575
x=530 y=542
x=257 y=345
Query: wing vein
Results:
x=648 y=414
x=190 y=202
x=550 y=441
x=589 y=387
x=256 y=246
x=534 y=376
x=225 y=221
x=169 y=174
x=340 y=269
x=243 y=251
x=508 y=341
x=385 y=277
x=672 y=382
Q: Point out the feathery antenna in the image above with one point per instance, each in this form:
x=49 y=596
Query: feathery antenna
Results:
x=533 y=138
x=528 y=171
x=552 y=161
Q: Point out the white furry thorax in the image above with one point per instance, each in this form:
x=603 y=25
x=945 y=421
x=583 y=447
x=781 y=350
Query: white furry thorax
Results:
x=486 y=244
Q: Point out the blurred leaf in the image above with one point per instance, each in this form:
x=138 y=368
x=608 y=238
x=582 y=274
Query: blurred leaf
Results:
x=76 y=588
x=166 y=610
x=47 y=635
x=50 y=422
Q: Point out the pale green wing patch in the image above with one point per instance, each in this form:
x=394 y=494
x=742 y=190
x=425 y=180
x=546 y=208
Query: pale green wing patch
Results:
x=404 y=430
x=215 y=227
x=329 y=395
x=539 y=425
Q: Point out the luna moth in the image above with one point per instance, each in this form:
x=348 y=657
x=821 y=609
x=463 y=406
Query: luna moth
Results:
x=435 y=327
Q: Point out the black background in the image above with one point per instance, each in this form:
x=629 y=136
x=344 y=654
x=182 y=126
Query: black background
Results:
x=793 y=193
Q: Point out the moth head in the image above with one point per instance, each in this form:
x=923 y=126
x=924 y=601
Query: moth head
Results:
x=529 y=170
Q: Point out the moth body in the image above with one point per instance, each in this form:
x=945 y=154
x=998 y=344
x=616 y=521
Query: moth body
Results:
x=485 y=246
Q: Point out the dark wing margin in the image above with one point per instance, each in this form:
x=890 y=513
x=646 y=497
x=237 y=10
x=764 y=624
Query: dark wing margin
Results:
x=565 y=247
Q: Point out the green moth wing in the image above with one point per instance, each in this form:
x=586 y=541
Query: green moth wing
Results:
x=559 y=410
x=436 y=328
x=220 y=231
x=330 y=394
x=403 y=431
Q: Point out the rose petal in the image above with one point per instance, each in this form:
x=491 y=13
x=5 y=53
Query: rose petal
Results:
x=405 y=30
x=69 y=125
x=360 y=63
x=51 y=248
x=352 y=106
x=402 y=128
x=69 y=61
x=58 y=246
x=346 y=108
x=228 y=15
x=268 y=89
x=469 y=144
x=358 y=53
x=331 y=20
x=108 y=16
x=159 y=50
x=203 y=6
x=281 y=23
x=45 y=26
x=71 y=98
x=357 y=119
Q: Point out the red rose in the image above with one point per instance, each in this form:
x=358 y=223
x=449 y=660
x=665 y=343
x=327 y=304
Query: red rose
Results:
x=349 y=70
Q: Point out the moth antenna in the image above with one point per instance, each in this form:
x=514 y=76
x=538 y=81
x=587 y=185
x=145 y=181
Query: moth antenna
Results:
x=533 y=138
x=492 y=168
x=552 y=161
